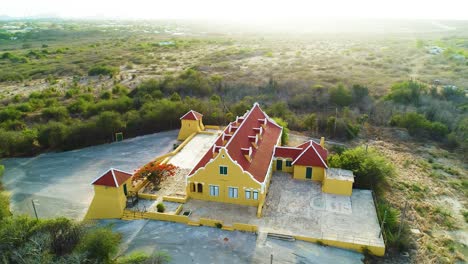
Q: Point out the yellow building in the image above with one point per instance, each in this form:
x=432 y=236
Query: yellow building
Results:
x=237 y=169
x=308 y=161
x=191 y=123
x=110 y=195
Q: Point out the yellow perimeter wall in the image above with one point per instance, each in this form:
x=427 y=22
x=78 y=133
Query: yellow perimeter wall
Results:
x=377 y=251
x=337 y=187
x=210 y=175
x=108 y=202
x=300 y=173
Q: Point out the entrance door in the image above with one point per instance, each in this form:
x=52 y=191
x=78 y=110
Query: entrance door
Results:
x=308 y=173
x=279 y=165
x=125 y=189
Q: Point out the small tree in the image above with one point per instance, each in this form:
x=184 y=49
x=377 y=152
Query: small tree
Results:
x=285 y=134
x=156 y=172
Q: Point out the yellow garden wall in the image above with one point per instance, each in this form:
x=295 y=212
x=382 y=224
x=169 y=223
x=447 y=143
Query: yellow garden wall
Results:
x=300 y=173
x=339 y=187
x=175 y=199
x=166 y=217
x=374 y=250
x=245 y=227
x=209 y=222
x=147 y=196
x=235 y=178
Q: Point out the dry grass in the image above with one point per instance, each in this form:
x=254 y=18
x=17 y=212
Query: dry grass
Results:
x=427 y=198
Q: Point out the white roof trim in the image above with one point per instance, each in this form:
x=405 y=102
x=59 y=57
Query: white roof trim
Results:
x=191 y=111
x=113 y=175
x=305 y=150
x=239 y=127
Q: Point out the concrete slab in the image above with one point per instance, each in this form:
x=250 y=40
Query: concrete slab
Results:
x=189 y=156
x=298 y=207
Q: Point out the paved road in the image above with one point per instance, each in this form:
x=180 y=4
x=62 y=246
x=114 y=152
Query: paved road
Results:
x=60 y=182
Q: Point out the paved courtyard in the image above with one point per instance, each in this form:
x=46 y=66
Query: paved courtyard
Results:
x=300 y=208
x=189 y=156
x=185 y=159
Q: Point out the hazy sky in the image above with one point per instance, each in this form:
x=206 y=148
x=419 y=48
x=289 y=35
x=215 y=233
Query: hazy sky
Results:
x=239 y=9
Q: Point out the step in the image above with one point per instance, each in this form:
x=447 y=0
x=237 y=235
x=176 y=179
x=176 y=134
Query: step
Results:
x=281 y=236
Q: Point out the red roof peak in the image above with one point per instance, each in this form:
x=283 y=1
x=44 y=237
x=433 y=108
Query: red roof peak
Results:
x=112 y=178
x=192 y=115
x=240 y=144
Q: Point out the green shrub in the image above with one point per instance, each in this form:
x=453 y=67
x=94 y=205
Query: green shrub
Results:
x=9 y=114
x=53 y=135
x=99 y=245
x=160 y=208
x=369 y=167
x=418 y=125
x=57 y=113
x=102 y=70
x=284 y=125
x=137 y=257
x=340 y=95
x=407 y=92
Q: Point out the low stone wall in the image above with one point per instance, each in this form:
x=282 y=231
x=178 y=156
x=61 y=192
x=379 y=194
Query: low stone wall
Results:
x=245 y=227
x=175 y=199
x=209 y=222
x=147 y=196
x=166 y=217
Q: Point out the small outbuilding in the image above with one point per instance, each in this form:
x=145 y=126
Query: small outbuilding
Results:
x=191 y=123
x=338 y=181
x=110 y=194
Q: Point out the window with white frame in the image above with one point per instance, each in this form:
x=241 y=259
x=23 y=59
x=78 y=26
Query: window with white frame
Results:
x=233 y=192
x=223 y=170
x=255 y=195
x=248 y=194
x=214 y=190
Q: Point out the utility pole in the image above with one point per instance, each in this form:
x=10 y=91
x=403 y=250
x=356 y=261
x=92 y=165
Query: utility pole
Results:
x=34 y=207
x=383 y=222
x=402 y=217
x=271 y=259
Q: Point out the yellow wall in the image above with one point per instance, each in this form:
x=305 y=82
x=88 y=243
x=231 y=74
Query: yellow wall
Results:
x=235 y=178
x=374 y=250
x=108 y=202
x=285 y=168
x=300 y=173
x=189 y=127
x=334 y=186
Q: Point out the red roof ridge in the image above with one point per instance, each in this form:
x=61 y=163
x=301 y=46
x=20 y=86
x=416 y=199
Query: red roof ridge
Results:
x=305 y=150
x=114 y=179
x=195 y=115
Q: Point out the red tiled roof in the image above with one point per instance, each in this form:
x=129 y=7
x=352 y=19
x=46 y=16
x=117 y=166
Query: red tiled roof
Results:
x=312 y=155
x=261 y=156
x=288 y=152
x=112 y=178
x=192 y=115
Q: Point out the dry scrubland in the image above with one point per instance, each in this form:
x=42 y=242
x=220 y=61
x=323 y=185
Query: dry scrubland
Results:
x=292 y=74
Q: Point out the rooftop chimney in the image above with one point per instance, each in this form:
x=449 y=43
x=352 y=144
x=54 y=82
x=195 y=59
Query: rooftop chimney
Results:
x=322 y=142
